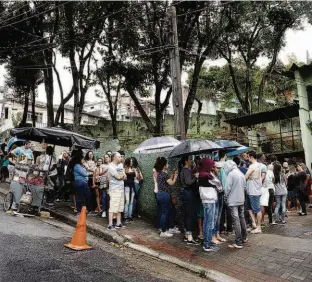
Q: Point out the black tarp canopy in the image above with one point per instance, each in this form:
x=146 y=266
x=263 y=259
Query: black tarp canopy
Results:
x=55 y=136
x=274 y=115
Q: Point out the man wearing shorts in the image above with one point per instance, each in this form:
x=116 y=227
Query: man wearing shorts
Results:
x=116 y=190
x=254 y=186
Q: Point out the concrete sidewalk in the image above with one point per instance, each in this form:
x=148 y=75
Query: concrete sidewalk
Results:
x=280 y=253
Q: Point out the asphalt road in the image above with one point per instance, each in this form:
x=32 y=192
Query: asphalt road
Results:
x=32 y=250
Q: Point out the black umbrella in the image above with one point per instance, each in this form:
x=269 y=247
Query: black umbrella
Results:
x=194 y=147
x=55 y=136
x=228 y=144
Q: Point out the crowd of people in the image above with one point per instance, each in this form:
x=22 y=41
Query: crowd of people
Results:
x=229 y=196
x=221 y=196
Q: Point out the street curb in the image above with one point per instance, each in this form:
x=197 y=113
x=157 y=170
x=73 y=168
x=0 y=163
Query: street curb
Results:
x=102 y=232
x=203 y=272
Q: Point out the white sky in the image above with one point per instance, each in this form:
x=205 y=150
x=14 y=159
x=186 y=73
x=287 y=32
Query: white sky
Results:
x=298 y=42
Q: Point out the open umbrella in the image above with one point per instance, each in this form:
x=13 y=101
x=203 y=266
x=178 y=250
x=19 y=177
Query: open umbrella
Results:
x=157 y=144
x=55 y=136
x=228 y=144
x=238 y=151
x=17 y=141
x=194 y=147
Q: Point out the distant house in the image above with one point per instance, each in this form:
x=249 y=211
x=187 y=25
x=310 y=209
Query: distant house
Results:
x=11 y=108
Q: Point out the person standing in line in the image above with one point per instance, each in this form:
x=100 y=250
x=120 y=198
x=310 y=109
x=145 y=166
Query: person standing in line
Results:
x=301 y=182
x=89 y=163
x=269 y=184
x=265 y=195
x=97 y=175
x=291 y=201
x=164 y=181
x=104 y=181
x=131 y=174
x=158 y=207
x=219 y=204
x=280 y=192
x=50 y=165
x=234 y=193
x=62 y=167
x=225 y=213
x=81 y=176
x=116 y=175
x=138 y=182
x=209 y=197
x=254 y=185
x=188 y=182
x=239 y=162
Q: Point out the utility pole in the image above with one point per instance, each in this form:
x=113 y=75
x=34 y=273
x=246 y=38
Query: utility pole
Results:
x=177 y=99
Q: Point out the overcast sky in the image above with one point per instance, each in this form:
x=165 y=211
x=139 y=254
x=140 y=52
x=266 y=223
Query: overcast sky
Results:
x=298 y=42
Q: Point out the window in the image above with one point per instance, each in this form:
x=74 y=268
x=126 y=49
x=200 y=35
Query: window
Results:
x=6 y=113
x=38 y=117
x=309 y=95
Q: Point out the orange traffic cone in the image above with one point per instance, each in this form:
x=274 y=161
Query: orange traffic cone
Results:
x=79 y=240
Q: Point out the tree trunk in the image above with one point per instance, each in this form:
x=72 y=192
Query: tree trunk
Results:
x=200 y=106
x=25 y=111
x=33 y=107
x=192 y=91
x=159 y=116
x=146 y=119
x=49 y=88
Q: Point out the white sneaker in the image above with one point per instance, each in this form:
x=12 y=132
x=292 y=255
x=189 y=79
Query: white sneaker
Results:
x=103 y=214
x=256 y=231
x=166 y=234
x=174 y=231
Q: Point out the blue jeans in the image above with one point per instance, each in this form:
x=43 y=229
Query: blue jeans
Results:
x=280 y=202
x=189 y=209
x=129 y=198
x=83 y=194
x=105 y=201
x=218 y=213
x=164 y=200
x=209 y=218
x=137 y=187
x=237 y=213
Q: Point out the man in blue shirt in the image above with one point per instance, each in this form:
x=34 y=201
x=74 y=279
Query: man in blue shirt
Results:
x=26 y=151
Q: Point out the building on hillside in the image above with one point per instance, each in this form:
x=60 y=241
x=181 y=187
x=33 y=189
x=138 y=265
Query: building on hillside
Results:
x=11 y=109
x=125 y=107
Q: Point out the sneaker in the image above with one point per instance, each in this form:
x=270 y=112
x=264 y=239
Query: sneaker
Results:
x=127 y=220
x=111 y=227
x=57 y=200
x=274 y=223
x=118 y=226
x=165 y=234
x=211 y=249
x=192 y=242
x=174 y=231
x=249 y=229
x=302 y=214
x=103 y=214
x=200 y=237
x=256 y=231
x=284 y=222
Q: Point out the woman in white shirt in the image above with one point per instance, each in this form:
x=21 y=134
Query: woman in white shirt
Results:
x=267 y=189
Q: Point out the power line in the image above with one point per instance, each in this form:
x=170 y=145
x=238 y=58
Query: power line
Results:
x=9 y=12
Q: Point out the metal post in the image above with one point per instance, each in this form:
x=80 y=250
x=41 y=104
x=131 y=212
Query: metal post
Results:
x=176 y=78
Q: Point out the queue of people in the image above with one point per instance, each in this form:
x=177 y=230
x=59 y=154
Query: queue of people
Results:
x=232 y=195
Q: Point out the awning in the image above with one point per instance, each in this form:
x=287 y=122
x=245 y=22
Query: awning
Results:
x=274 y=115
